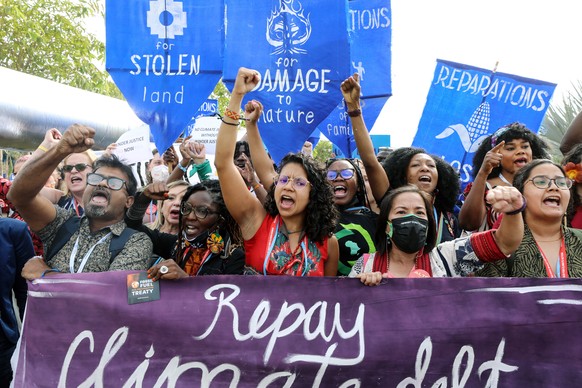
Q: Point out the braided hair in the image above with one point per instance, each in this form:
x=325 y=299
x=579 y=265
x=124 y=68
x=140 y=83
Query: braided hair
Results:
x=361 y=197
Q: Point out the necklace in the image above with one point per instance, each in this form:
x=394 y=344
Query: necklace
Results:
x=504 y=179
x=292 y=231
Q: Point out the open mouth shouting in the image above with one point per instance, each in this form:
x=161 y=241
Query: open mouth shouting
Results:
x=100 y=197
x=520 y=162
x=76 y=179
x=286 y=202
x=553 y=201
x=174 y=215
x=340 y=190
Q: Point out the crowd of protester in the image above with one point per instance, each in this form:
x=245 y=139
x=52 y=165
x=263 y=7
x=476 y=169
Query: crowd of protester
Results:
x=382 y=216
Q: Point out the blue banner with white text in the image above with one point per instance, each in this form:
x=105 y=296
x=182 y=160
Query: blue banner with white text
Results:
x=371 y=57
x=166 y=58
x=465 y=104
x=300 y=48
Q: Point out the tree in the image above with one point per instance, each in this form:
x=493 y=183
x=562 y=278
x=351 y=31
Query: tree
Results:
x=558 y=119
x=323 y=150
x=48 y=38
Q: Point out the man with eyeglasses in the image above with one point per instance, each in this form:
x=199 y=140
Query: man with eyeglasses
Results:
x=111 y=189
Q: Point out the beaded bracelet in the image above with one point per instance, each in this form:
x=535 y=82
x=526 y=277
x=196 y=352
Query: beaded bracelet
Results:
x=232 y=114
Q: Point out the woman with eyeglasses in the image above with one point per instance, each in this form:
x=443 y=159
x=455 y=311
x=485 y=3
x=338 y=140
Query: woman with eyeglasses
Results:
x=548 y=248
x=495 y=163
x=74 y=174
x=292 y=233
x=208 y=242
x=357 y=224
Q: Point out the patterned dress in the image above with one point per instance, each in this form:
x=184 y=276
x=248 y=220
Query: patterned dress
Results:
x=527 y=261
x=268 y=252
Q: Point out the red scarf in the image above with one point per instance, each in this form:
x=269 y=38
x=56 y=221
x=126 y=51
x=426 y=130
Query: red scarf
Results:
x=422 y=262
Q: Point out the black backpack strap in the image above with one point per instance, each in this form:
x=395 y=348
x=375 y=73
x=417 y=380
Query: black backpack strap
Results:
x=445 y=263
x=63 y=234
x=117 y=243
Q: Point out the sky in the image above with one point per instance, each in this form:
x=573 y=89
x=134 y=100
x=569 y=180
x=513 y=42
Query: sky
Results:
x=530 y=38
x=533 y=39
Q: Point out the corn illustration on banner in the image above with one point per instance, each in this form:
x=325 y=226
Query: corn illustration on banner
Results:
x=466 y=103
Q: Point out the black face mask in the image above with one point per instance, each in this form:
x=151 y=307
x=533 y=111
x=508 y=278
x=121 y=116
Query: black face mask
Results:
x=408 y=233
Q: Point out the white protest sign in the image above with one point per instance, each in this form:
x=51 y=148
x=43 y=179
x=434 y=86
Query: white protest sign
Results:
x=205 y=131
x=134 y=146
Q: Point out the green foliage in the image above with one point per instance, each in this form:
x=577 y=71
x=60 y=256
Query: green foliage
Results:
x=323 y=150
x=558 y=118
x=222 y=94
x=48 y=38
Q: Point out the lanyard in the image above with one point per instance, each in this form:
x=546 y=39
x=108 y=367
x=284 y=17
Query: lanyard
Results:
x=204 y=260
x=504 y=179
x=75 y=205
x=273 y=231
x=562 y=265
x=86 y=257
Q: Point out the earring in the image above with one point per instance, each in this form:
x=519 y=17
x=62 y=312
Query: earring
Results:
x=215 y=242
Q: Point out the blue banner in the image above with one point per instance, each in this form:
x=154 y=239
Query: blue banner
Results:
x=466 y=104
x=166 y=58
x=301 y=48
x=208 y=108
x=371 y=57
x=336 y=127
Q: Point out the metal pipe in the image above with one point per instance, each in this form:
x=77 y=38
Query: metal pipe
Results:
x=29 y=106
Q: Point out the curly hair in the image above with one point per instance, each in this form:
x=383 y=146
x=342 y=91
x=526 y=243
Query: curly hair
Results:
x=381 y=240
x=112 y=161
x=539 y=148
x=227 y=227
x=322 y=214
x=573 y=156
x=448 y=184
x=361 y=197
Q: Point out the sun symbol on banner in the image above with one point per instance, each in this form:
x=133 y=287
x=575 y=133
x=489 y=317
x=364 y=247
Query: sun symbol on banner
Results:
x=166 y=19
x=288 y=28
x=476 y=130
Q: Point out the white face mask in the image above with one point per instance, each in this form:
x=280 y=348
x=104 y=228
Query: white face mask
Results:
x=160 y=173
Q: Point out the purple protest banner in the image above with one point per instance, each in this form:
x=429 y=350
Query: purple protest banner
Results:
x=296 y=332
